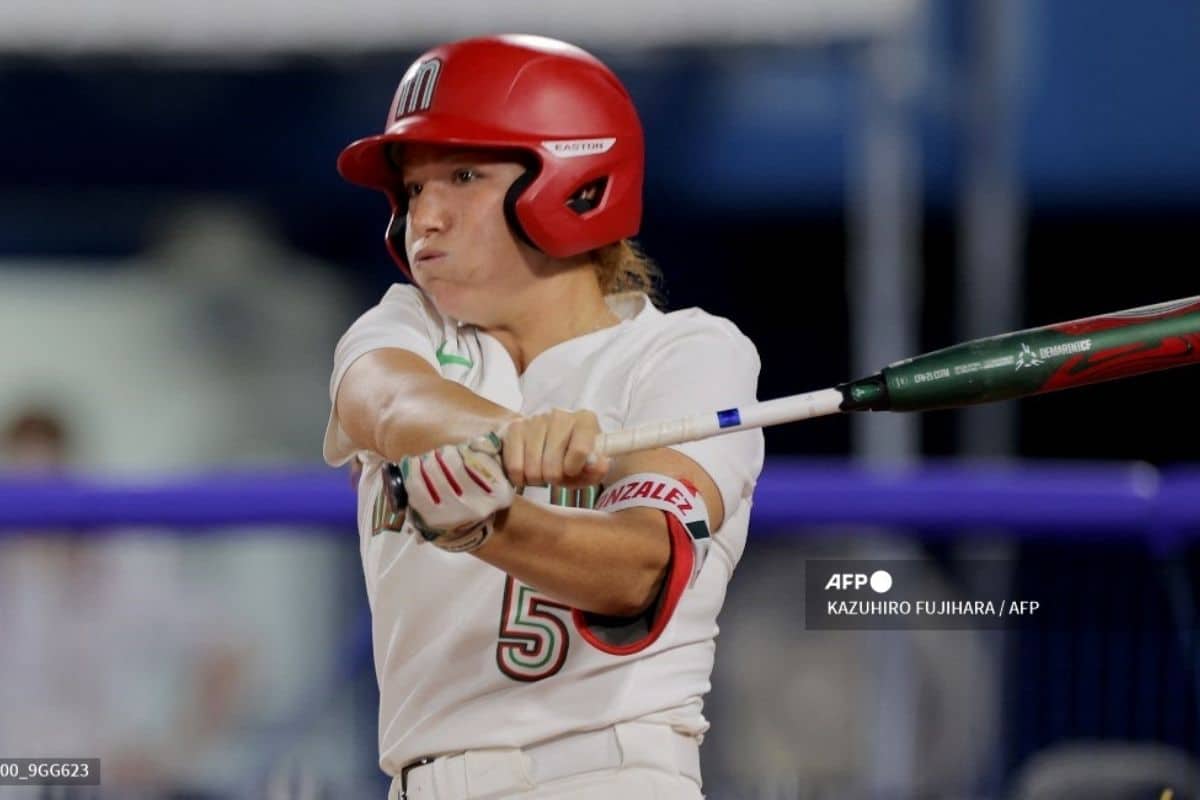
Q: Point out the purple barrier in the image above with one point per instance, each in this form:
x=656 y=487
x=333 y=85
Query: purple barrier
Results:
x=1179 y=503
x=934 y=496
x=951 y=496
x=316 y=496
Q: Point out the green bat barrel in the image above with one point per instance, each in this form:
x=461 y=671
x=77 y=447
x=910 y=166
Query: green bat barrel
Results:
x=1035 y=361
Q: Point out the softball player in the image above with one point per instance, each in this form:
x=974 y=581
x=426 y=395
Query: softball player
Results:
x=543 y=625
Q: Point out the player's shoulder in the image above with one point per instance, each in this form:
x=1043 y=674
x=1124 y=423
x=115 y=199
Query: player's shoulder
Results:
x=403 y=308
x=698 y=325
x=697 y=319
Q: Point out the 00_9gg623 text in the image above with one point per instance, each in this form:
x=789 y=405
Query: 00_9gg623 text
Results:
x=50 y=771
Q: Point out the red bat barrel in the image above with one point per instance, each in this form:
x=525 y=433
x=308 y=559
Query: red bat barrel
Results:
x=1037 y=360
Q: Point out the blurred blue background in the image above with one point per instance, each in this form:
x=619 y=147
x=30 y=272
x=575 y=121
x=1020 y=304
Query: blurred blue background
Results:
x=178 y=257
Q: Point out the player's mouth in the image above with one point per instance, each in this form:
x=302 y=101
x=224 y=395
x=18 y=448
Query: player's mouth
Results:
x=427 y=255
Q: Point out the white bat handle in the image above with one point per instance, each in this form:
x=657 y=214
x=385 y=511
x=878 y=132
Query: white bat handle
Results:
x=702 y=426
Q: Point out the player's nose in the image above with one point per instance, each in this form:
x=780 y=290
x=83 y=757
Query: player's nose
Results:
x=428 y=212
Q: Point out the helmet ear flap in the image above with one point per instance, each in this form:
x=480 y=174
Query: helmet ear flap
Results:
x=510 y=204
x=394 y=237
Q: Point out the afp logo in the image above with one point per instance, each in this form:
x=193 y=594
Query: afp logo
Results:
x=879 y=580
x=415 y=92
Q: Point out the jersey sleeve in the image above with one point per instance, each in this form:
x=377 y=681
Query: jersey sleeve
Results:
x=706 y=366
x=403 y=319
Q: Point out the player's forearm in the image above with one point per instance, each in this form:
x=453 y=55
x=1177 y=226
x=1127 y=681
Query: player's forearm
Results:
x=611 y=564
x=393 y=403
x=430 y=411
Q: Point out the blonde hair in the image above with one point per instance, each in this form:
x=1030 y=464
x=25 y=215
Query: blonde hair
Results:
x=623 y=267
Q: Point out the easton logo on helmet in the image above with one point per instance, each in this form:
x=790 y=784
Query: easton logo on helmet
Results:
x=416 y=92
x=573 y=148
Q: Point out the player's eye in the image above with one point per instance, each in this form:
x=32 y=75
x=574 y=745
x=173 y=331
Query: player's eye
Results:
x=411 y=190
x=465 y=175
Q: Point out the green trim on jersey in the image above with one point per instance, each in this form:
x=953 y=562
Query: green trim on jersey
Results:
x=450 y=358
x=574 y=498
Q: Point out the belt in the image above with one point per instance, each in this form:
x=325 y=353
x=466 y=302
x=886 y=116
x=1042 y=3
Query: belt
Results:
x=478 y=773
x=407 y=768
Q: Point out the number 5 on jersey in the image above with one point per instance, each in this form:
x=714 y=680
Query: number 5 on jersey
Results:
x=533 y=639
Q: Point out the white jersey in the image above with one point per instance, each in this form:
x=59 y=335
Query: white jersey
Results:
x=466 y=656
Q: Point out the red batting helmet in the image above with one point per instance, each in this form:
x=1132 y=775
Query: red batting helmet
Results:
x=554 y=102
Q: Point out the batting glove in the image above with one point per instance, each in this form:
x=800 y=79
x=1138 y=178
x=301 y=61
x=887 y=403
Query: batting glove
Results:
x=455 y=492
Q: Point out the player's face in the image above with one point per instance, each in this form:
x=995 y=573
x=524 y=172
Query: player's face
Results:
x=460 y=248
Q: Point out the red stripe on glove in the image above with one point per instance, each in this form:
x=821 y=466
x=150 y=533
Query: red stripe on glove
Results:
x=478 y=480
x=437 y=498
x=446 y=471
